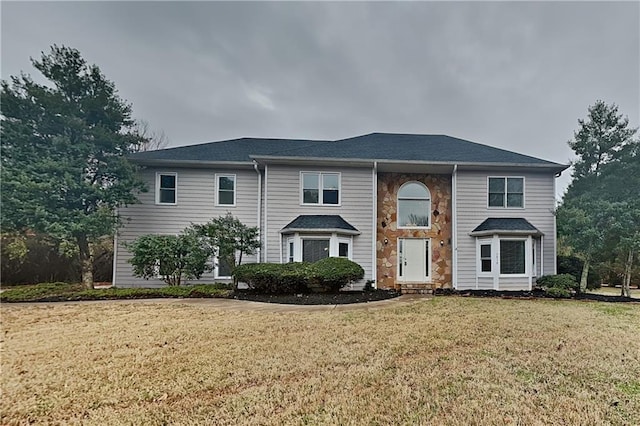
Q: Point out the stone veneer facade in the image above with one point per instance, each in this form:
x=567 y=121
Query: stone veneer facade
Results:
x=387 y=254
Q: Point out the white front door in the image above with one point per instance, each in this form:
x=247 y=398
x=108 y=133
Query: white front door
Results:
x=413 y=259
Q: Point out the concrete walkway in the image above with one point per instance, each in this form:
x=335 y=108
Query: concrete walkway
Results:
x=244 y=305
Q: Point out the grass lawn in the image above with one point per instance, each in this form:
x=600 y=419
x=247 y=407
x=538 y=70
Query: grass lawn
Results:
x=448 y=360
x=615 y=291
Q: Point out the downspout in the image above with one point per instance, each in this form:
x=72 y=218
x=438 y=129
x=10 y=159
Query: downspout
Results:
x=454 y=225
x=541 y=255
x=555 y=229
x=259 y=221
x=115 y=254
x=374 y=259
x=266 y=213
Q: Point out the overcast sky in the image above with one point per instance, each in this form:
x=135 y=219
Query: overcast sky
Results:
x=513 y=75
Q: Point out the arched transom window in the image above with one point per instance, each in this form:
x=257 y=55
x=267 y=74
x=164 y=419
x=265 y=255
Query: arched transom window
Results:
x=414 y=206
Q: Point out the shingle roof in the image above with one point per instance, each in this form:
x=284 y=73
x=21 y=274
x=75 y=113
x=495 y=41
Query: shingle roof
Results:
x=409 y=147
x=229 y=150
x=374 y=146
x=505 y=225
x=324 y=222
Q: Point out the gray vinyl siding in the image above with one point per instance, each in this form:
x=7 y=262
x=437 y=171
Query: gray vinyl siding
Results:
x=195 y=204
x=472 y=210
x=283 y=205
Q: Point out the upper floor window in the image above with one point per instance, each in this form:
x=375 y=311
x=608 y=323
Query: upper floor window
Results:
x=166 y=188
x=226 y=185
x=320 y=188
x=414 y=206
x=506 y=192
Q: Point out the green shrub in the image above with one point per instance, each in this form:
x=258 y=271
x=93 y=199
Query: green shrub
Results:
x=561 y=285
x=558 y=292
x=333 y=273
x=274 y=277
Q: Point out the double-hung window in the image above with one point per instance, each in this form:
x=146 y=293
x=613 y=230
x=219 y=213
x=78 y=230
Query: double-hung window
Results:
x=166 y=188
x=226 y=185
x=320 y=188
x=506 y=192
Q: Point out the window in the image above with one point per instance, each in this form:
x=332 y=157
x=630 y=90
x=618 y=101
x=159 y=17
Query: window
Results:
x=485 y=257
x=314 y=247
x=224 y=265
x=226 y=190
x=314 y=250
x=414 y=206
x=343 y=250
x=320 y=188
x=506 y=192
x=290 y=254
x=505 y=256
x=166 y=188
x=512 y=257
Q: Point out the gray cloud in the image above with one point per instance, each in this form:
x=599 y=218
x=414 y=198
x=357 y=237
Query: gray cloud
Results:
x=513 y=75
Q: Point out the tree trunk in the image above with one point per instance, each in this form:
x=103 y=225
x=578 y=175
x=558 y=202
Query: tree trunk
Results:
x=583 y=277
x=86 y=261
x=626 y=282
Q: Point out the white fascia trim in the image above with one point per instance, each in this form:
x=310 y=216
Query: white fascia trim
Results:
x=319 y=231
x=370 y=161
x=504 y=232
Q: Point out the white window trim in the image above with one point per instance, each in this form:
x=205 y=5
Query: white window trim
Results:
x=527 y=257
x=494 y=260
x=494 y=241
x=413 y=198
x=216 y=269
x=334 y=239
x=158 y=174
x=427 y=278
x=320 y=188
x=503 y=207
x=217 y=189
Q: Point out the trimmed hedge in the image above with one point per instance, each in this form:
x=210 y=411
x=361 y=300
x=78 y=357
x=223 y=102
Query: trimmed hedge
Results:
x=330 y=274
x=333 y=273
x=562 y=285
x=274 y=277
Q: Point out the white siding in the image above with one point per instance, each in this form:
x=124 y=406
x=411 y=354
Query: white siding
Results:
x=283 y=205
x=472 y=210
x=195 y=204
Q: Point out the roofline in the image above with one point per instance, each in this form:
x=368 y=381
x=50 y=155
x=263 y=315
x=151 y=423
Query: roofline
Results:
x=322 y=230
x=361 y=161
x=554 y=166
x=168 y=162
x=506 y=232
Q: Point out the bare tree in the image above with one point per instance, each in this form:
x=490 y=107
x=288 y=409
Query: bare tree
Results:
x=155 y=139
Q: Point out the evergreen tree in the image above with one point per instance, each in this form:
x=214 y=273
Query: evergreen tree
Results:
x=64 y=170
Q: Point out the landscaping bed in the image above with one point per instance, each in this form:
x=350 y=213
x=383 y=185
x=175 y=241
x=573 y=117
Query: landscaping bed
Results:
x=333 y=298
x=533 y=294
x=63 y=292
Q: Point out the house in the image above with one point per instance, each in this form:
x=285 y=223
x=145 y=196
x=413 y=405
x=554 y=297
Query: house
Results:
x=417 y=212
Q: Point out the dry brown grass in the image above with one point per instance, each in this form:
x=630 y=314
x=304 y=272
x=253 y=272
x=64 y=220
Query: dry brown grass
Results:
x=448 y=360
